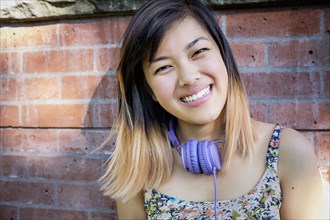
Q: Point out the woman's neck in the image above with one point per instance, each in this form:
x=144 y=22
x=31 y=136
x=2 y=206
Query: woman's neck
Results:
x=211 y=131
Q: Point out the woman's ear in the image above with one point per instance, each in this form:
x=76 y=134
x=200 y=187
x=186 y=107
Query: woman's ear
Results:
x=149 y=91
x=154 y=97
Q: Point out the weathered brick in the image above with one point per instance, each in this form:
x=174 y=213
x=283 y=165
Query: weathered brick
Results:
x=107 y=59
x=87 y=87
x=40 y=140
x=81 y=141
x=249 y=54
x=11 y=140
x=100 y=115
x=40 y=88
x=322 y=142
x=93 y=32
x=9 y=63
x=282 y=85
x=58 y=61
x=34 y=213
x=14 y=166
x=9 y=88
x=28 y=192
x=326 y=81
x=28 y=140
x=274 y=23
x=104 y=216
x=258 y=111
x=107 y=88
x=299 y=53
x=301 y=115
x=83 y=196
x=53 y=115
x=8 y=212
x=327 y=20
x=28 y=36
x=9 y=115
x=64 y=168
x=218 y=17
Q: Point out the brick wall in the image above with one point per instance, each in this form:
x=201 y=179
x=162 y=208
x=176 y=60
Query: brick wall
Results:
x=58 y=100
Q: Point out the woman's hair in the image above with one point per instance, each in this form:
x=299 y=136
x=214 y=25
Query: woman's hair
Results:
x=142 y=157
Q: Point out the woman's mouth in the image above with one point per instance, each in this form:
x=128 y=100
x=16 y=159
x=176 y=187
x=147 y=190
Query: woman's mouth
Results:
x=198 y=95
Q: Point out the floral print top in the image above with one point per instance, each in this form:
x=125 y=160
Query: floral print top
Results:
x=262 y=202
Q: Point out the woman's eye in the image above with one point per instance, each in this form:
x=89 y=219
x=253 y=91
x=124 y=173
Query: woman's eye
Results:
x=162 y=68
x=199 y=51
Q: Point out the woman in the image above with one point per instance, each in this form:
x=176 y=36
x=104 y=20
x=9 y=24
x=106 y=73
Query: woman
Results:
x=183 y=107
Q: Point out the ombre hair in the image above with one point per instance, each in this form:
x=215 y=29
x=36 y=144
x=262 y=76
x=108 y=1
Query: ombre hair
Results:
x=142 y=157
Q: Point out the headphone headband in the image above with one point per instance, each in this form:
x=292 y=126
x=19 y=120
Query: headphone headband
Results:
x=197 y=156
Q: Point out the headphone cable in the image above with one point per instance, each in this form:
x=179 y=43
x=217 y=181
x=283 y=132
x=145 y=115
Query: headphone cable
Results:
x=215 y=192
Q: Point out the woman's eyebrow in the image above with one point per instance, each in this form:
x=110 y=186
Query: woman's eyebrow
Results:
x=187 y=47
x=192 y=43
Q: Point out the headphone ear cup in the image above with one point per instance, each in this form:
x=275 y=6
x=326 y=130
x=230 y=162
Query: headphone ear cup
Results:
x=215 y=155
x=189 y=153
x=193 y=147
x=201 y=159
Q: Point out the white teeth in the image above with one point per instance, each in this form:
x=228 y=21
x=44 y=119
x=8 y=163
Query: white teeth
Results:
x=198 y=95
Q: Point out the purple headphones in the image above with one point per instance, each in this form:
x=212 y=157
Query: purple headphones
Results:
x=197 y=156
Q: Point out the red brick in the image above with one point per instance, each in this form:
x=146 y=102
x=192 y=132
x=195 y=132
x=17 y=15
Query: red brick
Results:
x=58 y=61
x=8 y=89
x=104 y=216
x=107 y=59
x=327 y=84
x=327 y=20
x=28 y=140
x=64 y=168
x=11 y=140
x=276 y=23
x=218 y=17
x=93 y=32
x=81 y=141
x=301 y=115
x=87 y=87
x=40 y=88
x=14 y=166
x=9 y=63
x=258 y=112
x=43 y=35
x=107 y=88
x=8 y=212
x=9 y=115
x=39 y=140
x=28 y=192
x=282 y=85
x=53 y=115
x=83 y=196
x=299 y=53
x=34 y=213
x=249 y=54
x=322 y=142
x=100 y=115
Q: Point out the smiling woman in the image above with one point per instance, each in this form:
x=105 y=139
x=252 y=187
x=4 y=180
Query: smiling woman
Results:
x=183 y=107
x=58 y=99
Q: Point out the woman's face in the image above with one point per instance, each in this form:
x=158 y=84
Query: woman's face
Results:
x=187 y=74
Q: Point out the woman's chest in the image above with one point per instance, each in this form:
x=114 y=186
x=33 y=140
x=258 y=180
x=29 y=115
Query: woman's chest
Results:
x=239 y=179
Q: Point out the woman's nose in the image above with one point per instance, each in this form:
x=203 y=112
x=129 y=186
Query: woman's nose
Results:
x=188 y=75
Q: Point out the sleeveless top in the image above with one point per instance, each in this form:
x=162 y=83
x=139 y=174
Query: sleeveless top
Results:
x=262 y=202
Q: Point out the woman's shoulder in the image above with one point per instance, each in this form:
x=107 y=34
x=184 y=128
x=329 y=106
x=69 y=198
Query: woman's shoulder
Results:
x=294 y=147
x=297 y=159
